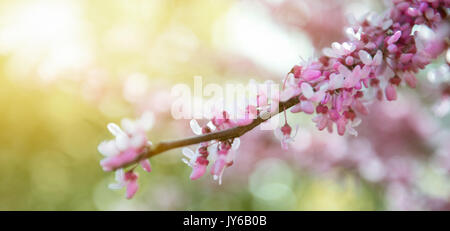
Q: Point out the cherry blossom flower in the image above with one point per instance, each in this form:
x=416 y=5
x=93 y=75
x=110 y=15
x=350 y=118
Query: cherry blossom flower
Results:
x=128 y=143
x=224 y=157
x=338 y=50
x=128 y=180
x=196 y=161
x=285 y=135
x=367 y=59
x=382 y=52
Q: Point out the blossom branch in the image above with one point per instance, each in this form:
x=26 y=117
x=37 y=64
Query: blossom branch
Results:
x=382 y=52
x=222 y=135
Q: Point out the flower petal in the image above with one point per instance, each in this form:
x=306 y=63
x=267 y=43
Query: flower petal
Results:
x=307 y=90
x=108 y=148
x=115 y=129
x=145 y=164
x=132 y=188
x=378 y=58
x=391 y=92
x=365 y=57
x=195 y=127
x=122 y=142
x=198 y=171
x=187 y=152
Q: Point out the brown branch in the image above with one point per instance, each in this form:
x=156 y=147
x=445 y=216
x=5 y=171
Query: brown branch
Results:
x=219 y=135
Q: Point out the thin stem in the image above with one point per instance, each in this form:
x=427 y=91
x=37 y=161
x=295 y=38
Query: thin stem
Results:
x=219 y=135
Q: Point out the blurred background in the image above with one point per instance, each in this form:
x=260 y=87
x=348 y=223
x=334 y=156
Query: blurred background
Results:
x=68 y=67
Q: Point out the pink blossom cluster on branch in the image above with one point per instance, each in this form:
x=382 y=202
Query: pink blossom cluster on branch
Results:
x=381 y=54
x=383 y=51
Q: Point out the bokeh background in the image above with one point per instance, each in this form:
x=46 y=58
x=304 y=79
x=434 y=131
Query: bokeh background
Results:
x=68 y=67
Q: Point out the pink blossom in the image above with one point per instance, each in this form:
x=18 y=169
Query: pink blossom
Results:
x=310 y=74
x=394 y=38
x=145 y=164
x=128 y=143
x=128 y=180
x=222 y=152
x=367 y=59
x=285 y=135
x=224 y=157
x=382 y=52
x=304 y=106
x=391 y=93
x=196 y=161
x=338 y=50
x=410 y=79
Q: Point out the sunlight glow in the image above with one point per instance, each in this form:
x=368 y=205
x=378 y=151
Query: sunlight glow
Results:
x=46 y=35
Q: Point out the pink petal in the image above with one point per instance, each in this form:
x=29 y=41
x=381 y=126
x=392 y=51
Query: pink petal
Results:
x=321 y=122
x=244 y=121
x=307 y=107
x=410 y=79
x=365 y=57
x=296 y=108
x=349 y=60
x=378 y=58
x=412 y=12
x=336 y=81
x=218 y=166
x=394 y=38
x=391 y=93
x=198 y=171
x=392 y=48
x=145 y=164
x=120 y=160
x=132 y=188
x=341 y=124
x=405 y=58
x=287 y=93
x=307 y=90
x=309 y=75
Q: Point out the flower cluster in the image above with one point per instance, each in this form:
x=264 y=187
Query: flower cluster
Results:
x=222 y=152
x=127 y=146
x=381 y=53
x=262 y=102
